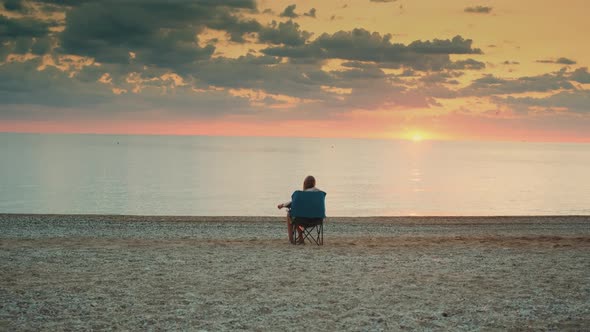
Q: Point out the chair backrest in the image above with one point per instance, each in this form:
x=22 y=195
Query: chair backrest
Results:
x=308 y=204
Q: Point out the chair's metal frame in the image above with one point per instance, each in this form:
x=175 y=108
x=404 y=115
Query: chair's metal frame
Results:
x=311 y=233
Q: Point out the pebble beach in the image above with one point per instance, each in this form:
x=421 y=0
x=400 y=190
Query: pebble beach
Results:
x=92 y=272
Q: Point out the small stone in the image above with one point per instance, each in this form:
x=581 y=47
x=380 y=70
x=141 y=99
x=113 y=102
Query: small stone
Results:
x=445 y=314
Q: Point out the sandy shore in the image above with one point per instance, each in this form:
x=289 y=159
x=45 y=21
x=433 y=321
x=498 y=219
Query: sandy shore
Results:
x=239 y=273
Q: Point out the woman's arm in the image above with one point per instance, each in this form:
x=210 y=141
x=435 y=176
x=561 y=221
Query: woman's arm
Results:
x=286 y=205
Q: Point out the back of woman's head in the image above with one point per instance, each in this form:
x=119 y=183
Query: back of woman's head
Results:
x=309 y=182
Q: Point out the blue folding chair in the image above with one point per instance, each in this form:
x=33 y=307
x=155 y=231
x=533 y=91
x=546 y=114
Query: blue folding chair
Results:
x=308 y=211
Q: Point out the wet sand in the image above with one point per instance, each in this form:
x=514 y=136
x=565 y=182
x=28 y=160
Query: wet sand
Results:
x=240 y=273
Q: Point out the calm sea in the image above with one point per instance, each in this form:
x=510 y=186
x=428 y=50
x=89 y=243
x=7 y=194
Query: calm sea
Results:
x=206 y=176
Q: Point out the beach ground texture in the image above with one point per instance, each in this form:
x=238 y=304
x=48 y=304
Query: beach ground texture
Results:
x=240 y=273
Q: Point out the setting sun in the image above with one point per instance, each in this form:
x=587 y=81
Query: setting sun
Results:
x=415 y=136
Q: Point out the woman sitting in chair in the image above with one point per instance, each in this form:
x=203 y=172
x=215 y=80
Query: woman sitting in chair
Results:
x=308 y=185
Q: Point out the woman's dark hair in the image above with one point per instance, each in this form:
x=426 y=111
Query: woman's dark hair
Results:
x=309 y=182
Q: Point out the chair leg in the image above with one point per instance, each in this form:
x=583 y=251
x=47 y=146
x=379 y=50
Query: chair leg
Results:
x=294 y=234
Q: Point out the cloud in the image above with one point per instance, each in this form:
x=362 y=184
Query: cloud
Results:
x=234 y=25
x=362 y=45
x=351 y=76
x=358 y=64
x=51 y=94
x=565 y=61
x=15 y=6
x=561 y=61
x=160 y=34
x=466 y=64
x=311 y=13
x=581 y=75
x=286 y=33
x=87 y=35
x=68 y=3
x=250 y=4
x=14 y=28
x=441 y=77
x=489 y=84
x=22 y=83
x=367 y=86
x=478 y=10
x=571 y=101
x=263 y=73
x=457 y=45
x=289 y=12
x=23 y=35
x=146 y=46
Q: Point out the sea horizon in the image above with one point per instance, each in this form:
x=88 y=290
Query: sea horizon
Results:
x=409 y=139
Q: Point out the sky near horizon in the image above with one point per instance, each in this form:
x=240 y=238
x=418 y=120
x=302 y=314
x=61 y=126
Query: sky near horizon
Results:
x=429 y=69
